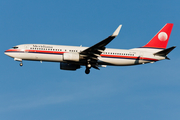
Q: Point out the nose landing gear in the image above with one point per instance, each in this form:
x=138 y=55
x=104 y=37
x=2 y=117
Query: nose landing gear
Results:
x=21 y=64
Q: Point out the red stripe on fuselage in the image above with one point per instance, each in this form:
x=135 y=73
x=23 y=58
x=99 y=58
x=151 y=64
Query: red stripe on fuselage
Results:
x=43 y=51
x=128 y=57
x=102 y=55
x=13 y=50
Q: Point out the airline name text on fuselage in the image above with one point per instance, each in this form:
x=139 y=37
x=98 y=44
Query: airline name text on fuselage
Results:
x=42 y=46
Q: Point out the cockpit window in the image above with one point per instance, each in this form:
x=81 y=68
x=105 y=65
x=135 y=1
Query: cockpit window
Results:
x=15 y=47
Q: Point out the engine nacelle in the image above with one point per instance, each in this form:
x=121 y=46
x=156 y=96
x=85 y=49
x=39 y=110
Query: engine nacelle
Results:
x=67 y=66
x=71 y=57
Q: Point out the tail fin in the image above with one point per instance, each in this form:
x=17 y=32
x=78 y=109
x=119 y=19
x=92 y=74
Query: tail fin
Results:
x=160 y=40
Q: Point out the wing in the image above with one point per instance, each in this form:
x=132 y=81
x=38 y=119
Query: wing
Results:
x=94 y=51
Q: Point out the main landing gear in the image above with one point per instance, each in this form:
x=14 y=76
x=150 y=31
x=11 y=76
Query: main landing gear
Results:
x=87 y=71
x=88 y=67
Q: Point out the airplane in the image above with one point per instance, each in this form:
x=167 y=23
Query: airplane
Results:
x=73 y=57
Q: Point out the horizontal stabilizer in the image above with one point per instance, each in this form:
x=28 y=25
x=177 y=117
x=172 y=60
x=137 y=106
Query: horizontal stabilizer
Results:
x=165 y=51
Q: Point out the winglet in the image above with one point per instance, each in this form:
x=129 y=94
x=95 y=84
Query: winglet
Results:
x=116 y=32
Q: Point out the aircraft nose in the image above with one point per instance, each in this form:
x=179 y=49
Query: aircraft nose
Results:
x=6 y=53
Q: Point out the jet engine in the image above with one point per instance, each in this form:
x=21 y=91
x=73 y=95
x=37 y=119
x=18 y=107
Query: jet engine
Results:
x=68 y=66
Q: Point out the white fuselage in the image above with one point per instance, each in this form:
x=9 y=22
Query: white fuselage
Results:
x=54 y=53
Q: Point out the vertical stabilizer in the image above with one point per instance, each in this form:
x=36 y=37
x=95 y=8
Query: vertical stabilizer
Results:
x=160 y=40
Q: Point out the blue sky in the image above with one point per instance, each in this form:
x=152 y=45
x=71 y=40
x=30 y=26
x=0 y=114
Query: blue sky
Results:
x=41 y=91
